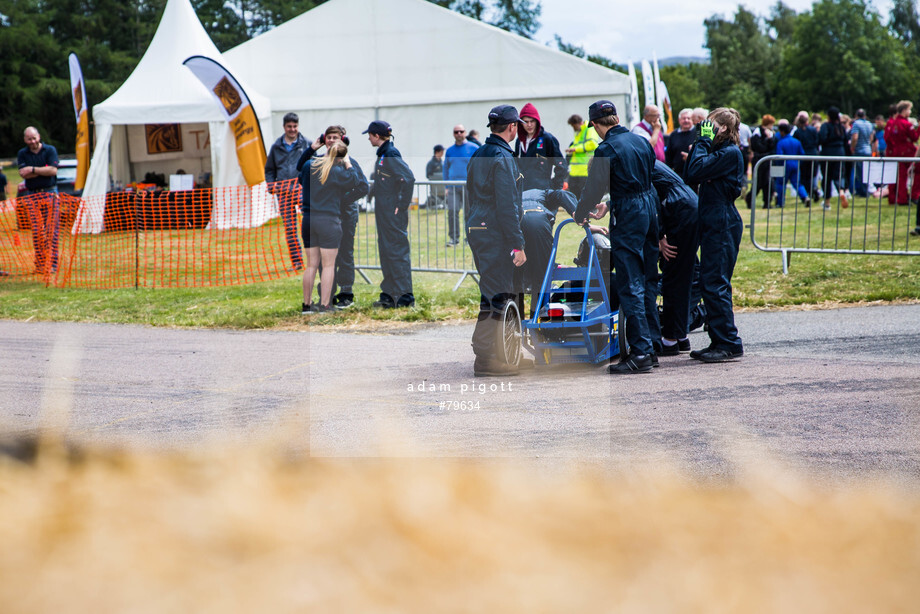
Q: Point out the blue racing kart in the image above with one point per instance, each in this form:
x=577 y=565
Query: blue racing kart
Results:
x=573 y=320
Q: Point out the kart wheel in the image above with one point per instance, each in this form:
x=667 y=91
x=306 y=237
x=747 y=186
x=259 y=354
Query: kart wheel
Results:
x=621 y=337
x=509 y=335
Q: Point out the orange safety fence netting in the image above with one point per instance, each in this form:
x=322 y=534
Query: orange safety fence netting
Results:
x=178 y=239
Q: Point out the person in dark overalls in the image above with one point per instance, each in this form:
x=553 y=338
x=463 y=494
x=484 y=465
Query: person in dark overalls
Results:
x=392 y=192
x=342 y=287
x=717 y=164
x=623 y=165
x=493 y=183
x=678 y=220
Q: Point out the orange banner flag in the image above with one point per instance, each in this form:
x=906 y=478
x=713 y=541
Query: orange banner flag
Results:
x=250 y=149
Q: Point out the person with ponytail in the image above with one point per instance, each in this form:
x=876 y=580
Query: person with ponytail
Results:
x=716 y=164
x=326 y=182
x=342 y=287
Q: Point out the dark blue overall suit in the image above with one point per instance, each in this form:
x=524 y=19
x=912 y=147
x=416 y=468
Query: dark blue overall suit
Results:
x=623 y=165
x=494 y=230
x=719 y=170
x=678 y=218
x=392 y=192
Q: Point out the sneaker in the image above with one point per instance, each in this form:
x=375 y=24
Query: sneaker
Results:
x=807 y=203
x=681 y=347
x=343 y=301
x=654 y=358
x=844 y=200
x=452 y=243
x=322 y=308
x=633 y=363
x=406 y=300
x=305 y=309
x=696 y=354
x=716 y=355
x=492 y=368
x=916 y=231
x=383 y=305
x=669 y=350
x=827 y=206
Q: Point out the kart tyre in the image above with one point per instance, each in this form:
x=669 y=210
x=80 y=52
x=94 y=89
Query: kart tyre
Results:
x=509 y=335
x=621 y=337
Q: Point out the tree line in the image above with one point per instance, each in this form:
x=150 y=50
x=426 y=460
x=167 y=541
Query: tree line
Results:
x=110 y=37
x=840 y=52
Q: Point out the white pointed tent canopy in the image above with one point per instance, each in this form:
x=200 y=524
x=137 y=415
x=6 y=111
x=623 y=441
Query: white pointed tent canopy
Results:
x=163 y=91
x=420 y=67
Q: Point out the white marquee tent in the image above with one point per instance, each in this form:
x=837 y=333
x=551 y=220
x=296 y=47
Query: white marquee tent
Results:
x=420 y=67
x=163 y=91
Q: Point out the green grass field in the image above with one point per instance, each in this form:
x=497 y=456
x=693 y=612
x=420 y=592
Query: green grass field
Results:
x=814 y=279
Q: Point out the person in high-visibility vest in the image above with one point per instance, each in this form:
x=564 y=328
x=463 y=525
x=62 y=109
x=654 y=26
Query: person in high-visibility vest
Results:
x=580 y=152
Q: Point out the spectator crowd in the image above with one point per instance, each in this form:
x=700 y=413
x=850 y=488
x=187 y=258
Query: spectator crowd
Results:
x=516 y=181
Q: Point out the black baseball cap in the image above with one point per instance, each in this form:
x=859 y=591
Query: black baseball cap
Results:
x=379 y=127
x=502 y=115
x=600 y=109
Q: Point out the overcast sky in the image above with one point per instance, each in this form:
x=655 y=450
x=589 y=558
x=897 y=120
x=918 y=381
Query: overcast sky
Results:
x=634 y=30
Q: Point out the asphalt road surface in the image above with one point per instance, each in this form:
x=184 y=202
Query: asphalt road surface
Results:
x=832 y=393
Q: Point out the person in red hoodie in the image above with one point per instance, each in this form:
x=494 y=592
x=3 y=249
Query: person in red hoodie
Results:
x=901 y=138
x=540 y=159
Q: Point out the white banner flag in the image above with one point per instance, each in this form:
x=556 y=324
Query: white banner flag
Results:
x=632 y=112
x=648 y=84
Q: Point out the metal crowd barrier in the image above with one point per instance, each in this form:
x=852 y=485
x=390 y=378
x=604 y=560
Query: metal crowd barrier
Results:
x=863 y=223
x=428 y=233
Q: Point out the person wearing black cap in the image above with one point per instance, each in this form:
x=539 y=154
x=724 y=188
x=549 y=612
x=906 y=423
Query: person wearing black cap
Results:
x=623 y=165
x=493 y=182
x=392 y=190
